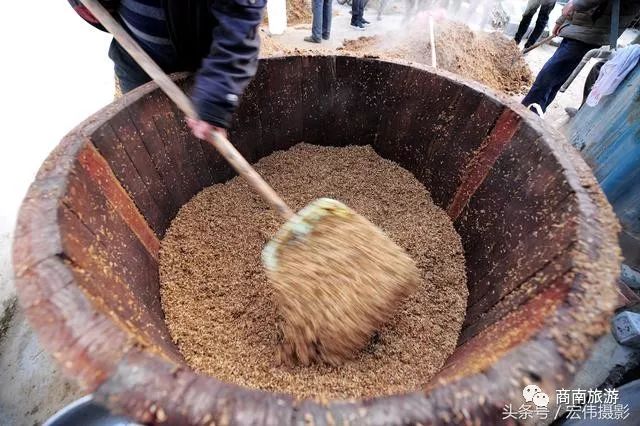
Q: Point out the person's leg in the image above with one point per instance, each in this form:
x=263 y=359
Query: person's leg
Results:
x=541 y=23
x=532 y=6
x=316 y=25
x=326 y=19
x=128 y=72
x=363 y=6
x=356 y=13
x=360 y=11
x=555 y=72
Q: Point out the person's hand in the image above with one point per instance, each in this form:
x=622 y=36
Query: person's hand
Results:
x=556 y=29
x=568 y=9
x=201 y=129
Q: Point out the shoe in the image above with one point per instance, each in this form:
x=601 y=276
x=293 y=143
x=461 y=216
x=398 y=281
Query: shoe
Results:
x=325 y=37
x=365 y=22
x=310 y=39
x=358 y=26
x=571 y=112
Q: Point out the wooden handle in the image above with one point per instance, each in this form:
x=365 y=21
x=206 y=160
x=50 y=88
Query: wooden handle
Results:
x=224 y=147
x=244 y=169
x=538 y=44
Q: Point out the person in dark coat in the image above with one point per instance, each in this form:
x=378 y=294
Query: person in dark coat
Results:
x=545 y=6
x=584 y=25
x=217 y=39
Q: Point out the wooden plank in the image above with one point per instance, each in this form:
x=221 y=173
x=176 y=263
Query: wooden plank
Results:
x=494 y=307
x=120 y=247
x=173 y=138
x=410 y=95
x=513 y=203
x=36 y=235
x=356 y=100
x=128 y=134
x=483 y=351
x=519 y=260
x=279 y=101
x=451 y=151
x=246 y=127
x=175 y=395
x=193 y=149
x=102 y=279
x=142 y=114
x=102 y=177
x=112 y=149
x=78 y=337
x=483 y=161
x=318 y=98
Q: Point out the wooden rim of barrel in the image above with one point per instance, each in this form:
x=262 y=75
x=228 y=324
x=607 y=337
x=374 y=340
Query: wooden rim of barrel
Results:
x=116 y=344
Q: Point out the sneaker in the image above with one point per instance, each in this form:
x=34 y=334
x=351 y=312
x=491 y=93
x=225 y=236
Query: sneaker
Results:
x=365 y=22
x=310 y=39
x=358 y=26
x=325 y=37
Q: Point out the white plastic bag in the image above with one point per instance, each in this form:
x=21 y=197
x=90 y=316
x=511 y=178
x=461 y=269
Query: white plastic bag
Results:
x=622 y=62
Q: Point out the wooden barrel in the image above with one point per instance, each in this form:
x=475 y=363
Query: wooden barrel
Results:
x=539 y=239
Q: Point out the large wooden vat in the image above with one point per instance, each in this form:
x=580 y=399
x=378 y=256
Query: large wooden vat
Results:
x=539 y=238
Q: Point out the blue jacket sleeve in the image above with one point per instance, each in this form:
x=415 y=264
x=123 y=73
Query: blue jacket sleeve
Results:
x=232 y=61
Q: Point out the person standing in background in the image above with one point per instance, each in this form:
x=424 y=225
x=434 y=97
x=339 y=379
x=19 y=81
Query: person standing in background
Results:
x=357 y=15
x=546 y=6
x=584 y=25
x=321 y=27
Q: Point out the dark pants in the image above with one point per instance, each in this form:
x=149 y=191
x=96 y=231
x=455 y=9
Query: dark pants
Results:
x=321 y=19
x=129 y=73
x=556 y=71
x=357 y=11
x=541 y=22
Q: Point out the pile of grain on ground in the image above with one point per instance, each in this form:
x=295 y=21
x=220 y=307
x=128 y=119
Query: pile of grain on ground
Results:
x=219 y=306
x=298 y=12
x=490 y=58
x=269 y=46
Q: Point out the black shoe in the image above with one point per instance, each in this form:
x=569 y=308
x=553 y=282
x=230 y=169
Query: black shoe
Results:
x=325 y=37
x=310 y=39
x=358 y=26
x=365 y=22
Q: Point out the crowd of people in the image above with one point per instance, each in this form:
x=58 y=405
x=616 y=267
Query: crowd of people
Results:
x=219 y=41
